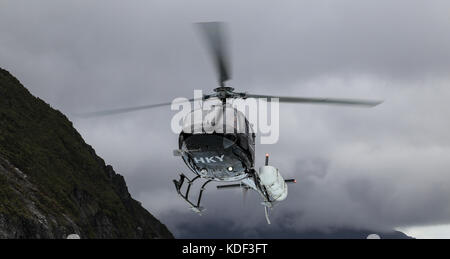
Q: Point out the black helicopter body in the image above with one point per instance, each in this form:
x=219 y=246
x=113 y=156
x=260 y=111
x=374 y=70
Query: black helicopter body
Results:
x=220 y=149
x=220 y=157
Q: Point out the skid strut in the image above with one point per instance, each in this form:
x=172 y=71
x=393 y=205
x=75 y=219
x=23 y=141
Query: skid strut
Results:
x=178 y=184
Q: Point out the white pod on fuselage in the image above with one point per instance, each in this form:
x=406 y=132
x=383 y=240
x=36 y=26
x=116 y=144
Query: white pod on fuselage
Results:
x=273 y=181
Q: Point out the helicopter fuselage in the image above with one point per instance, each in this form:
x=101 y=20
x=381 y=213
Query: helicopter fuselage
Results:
x=218 y=156
x=218 y=144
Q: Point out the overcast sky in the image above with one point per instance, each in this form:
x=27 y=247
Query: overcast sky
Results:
x=381 y=168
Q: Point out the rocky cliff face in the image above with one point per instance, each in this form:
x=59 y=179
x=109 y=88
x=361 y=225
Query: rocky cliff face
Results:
x=52 y=183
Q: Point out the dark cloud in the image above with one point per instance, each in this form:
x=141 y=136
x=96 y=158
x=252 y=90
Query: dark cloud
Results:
x=377 y=168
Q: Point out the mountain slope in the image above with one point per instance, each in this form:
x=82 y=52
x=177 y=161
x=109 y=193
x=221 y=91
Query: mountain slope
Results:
x=53 y=184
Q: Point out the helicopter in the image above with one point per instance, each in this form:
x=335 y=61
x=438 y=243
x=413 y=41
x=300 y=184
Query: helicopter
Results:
x=222 y=149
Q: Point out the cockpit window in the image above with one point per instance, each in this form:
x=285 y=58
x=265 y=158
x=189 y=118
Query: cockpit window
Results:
x=229 y=140
x=219 y=120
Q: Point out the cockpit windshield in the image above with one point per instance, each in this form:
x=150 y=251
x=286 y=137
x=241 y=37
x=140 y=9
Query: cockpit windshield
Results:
x=209 y=141
x=220 y=119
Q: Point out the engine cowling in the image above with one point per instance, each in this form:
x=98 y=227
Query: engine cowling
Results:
x=274 y=183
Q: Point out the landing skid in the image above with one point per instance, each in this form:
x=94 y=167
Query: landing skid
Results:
x=178 y=184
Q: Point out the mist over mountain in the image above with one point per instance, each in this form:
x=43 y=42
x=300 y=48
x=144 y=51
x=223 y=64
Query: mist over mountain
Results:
x=52 y=184
x=204 y=227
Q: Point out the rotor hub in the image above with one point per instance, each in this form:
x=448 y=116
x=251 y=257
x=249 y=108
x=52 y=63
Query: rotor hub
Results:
x=223 y=89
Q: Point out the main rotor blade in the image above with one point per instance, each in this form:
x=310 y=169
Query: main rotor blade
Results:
x=215 y=38
x=337 y=101
x=128 y=109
